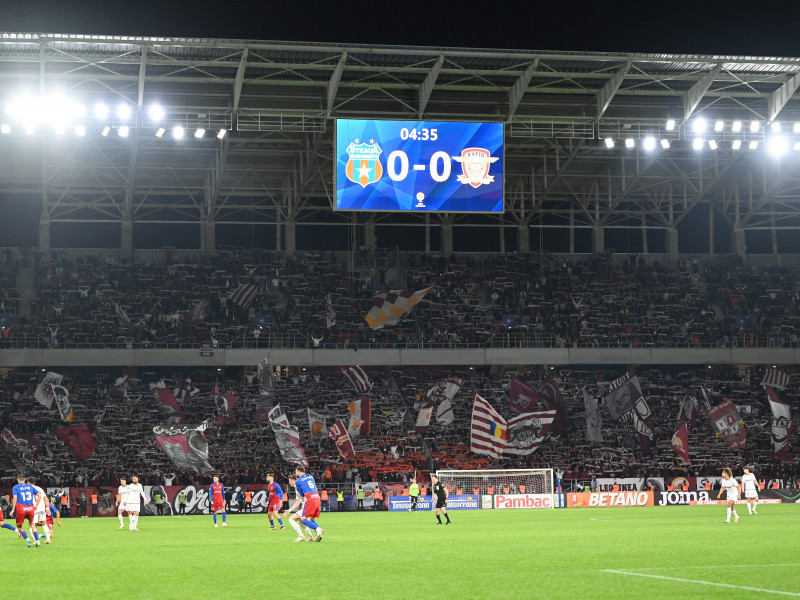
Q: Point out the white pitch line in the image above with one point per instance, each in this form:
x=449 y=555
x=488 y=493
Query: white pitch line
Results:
x=701 y=582
x=721 y=566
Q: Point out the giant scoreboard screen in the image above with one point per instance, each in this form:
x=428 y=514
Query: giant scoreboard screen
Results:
x=426 y=166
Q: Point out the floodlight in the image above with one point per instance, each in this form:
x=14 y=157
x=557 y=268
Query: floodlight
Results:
x=796 y=128
x=5 y=128
x=178 y=132
x=665 y=144
x=100 y=111
x=737 y=126
x=123 y=131
x=80 y=130
x=736 y=144
x=156 y=113
x=649 y=143
x=775 y=126
x=753 y=145
x=105 y=131
x=777 y=145
x=222 y=132
x=699 y=125
x=670 y=124
x=754 y=126
x=59 y=129
x=796 y=146
x=697 y=144
x=124 y=111
x=629 y=143
x=30 y=129
x=712 y=144
x=199 y=133
x=608 y=142
x=160 y=132
x=79 y=110
x=719 y=125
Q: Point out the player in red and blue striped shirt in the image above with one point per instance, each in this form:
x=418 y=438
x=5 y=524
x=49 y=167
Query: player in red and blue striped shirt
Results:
x=24 y=499
x=217 y=494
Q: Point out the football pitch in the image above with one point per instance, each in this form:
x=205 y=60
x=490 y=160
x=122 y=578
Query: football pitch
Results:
x=649 y=553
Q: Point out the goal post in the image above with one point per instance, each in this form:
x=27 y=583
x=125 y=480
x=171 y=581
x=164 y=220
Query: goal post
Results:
x=503 y=488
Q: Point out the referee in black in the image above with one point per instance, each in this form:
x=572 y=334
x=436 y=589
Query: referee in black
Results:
x=440 y=491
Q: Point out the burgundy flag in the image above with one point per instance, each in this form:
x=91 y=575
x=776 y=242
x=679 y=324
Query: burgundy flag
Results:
x=782 y=426
x=526 y=432
x=224 y=404
x=22 y=450
x=727 y=423
x=360 y=413
x=186 y=447
x=690 y=410
x=358 y=377
x=338 y=433
x=680 y=442
x=488 y=430
x=626 y=403
x=550 y=396
x=78 y=439
x=173 y=411
x=522 y=397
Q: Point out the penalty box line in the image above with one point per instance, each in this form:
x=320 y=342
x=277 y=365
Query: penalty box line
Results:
x=701 y=582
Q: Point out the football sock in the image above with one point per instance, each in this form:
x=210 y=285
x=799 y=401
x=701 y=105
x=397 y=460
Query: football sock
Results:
x=309 y=533
x=36 y=535
x=223 y=516
x=446 y=516
x=121 y=521
x=309 y=524
x=280 y=521
x=296 y=526
x=729 y=514
x=47 y=533
x=271 y=523
x=24 y=535
x=215 y=518
x=439 y=518
x=7 y=526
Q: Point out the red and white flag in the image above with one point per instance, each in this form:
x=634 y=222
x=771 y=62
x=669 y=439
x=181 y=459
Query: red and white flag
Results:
x=488 y=430
x=360 y=412
x=344 y=445
x=680 y=442
x=358 y=378
x=526 y=432
x=775 y=378
x=782 y=425
x=424 y=415
x=287 y=437
x=727 y=423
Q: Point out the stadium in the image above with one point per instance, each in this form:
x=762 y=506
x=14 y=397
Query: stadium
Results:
x=564 y=280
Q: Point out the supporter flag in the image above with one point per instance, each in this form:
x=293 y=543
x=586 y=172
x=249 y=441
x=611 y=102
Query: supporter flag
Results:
x=62 y=403
x=317 y=424
x=120 y=388
x=287 y=437
x=224 y=404
x=44 y=391
x=487 y=429
x=21 y=450
x=184 y=390
x=522 y=397
x=680 y=442
x=690 y=410
x=173 y=413
x=338 y=433
x=444 y=412
x=525 y=432
x=388 y=308
x=200 y=311
x=594 y=422
x=358 y=377
x=78 y=439
x=550 y=396
x=244 y=295
x=626 y=403
x=360 y=412
x=727 y=423
x=330 y=314
x=186 y=446
x=782 y=425
x=266 y=389
x=424 y=415
x=775 y=378
x=122 y=317
x=443 y=393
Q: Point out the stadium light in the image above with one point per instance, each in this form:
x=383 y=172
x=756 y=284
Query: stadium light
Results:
x=156 y=113
x=30 y=129
x=608 y=141
x=697 y=144
x=736 y=144
x=178 y=132
x=124 y=111
x=670 y=124
x=719 y=125
x=753 y=145
x=796 y=128
x=777 y=145
x=5 y=128
x=199 y=133
x=80 y=130
x=796 y=146
x=123 y=131
x=712 y=144
x=736 y=127
x=665 y=144
x=101 y=111
x=59 y=129
x=699 y=125
x=105 y=131
x=775 y=126
x=649 y=143
x=222 y=132
x=160 y=132
x=754 y=126
x=629 y=143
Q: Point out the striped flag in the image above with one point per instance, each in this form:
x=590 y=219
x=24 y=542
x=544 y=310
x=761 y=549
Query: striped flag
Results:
x=782 y=425
x=488 y=430
x=680 y=442
x=358 y=378
x=389 y=307
x=526 y=431
x=775 y=378
x=244 y=295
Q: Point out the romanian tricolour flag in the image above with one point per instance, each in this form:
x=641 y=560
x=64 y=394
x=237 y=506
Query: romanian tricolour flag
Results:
x=498 y=431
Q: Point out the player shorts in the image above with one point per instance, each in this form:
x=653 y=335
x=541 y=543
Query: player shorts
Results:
x=218 y=506
x=39 y=516
x=751 y=494
x=311 y=508
x=274 y=505
x=24 y=512
x=132 y=508
x=441 y=503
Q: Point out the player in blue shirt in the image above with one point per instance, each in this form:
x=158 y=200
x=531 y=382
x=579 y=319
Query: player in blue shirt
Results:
x=24 y=499
x=306 y=486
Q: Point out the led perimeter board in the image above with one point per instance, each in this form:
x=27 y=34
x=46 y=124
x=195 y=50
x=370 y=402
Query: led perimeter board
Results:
x=425 y=166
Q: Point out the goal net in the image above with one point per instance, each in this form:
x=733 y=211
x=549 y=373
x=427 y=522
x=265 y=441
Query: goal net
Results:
x=503 y=488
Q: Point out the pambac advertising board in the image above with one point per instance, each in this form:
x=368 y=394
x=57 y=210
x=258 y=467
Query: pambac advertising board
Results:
x=523 y=501
x=609 y=499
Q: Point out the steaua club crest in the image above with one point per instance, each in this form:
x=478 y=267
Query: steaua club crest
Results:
x=364 y=166
x=475 y=165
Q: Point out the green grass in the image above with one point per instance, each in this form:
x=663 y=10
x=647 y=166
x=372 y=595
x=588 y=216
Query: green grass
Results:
x=483 y=554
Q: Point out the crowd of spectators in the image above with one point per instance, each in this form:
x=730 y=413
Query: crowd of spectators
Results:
x=506 y=300
x=243 y=449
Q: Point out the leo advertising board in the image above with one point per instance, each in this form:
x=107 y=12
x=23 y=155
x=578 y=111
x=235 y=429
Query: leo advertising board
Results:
x=609 y=499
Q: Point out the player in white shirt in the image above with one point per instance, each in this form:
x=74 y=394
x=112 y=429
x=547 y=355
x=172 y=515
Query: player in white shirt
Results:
x=133 y=502
x=750 y=489
x=40 y=510
x=122 y=501
x=730 y=486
